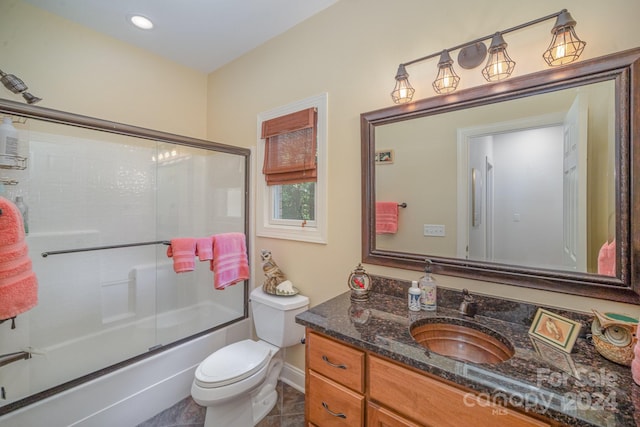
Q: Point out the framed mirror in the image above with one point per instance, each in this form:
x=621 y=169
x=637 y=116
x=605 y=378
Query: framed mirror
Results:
x=529 y=182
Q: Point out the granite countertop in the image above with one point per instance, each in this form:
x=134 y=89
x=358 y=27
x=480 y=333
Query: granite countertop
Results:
x=580 y=389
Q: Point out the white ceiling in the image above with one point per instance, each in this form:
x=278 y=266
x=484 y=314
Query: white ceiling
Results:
x=200 y=34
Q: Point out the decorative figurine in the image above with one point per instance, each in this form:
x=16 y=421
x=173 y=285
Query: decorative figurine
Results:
x=359 y=283
x=614 y=336
x=274 y=275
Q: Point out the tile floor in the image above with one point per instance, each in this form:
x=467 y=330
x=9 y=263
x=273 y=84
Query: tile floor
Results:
x=288 y=412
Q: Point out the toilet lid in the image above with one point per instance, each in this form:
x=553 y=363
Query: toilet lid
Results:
x=232 y=363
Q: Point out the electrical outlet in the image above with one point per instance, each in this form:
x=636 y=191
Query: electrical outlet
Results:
x=434 y=230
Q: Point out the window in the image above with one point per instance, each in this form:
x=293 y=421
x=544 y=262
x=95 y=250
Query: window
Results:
x=291 y=163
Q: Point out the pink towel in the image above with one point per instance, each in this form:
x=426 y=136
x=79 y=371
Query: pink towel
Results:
x=18 y=294
x=386 y=217
x=204 y=248
x=635 y=363
x=11 y=225
x=183 y=252
x=18 y=282
x=607 y=259
x=230 y=263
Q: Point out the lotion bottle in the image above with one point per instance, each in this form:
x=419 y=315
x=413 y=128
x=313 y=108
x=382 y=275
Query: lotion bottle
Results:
x=414 y=296
x=428 y=288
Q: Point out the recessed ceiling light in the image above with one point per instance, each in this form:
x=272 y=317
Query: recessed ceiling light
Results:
x=141 y=22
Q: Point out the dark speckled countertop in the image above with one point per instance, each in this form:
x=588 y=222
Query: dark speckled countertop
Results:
x=580 y=389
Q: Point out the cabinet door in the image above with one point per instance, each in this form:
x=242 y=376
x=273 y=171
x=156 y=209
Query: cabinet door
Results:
x=382 y=417
x=435 y=403
x=342 y=364
x=331 y=404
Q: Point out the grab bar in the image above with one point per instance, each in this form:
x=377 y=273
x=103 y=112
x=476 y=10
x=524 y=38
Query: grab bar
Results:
x=5 y=359
x=99 y=248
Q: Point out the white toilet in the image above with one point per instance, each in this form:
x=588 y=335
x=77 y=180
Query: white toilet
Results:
x=237 y=383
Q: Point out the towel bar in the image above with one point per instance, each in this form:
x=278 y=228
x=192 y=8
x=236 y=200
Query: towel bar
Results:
x=99 y=248
x=402 y=205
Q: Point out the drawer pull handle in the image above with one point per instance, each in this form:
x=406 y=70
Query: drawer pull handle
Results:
x=326 y=359
x=335 y=414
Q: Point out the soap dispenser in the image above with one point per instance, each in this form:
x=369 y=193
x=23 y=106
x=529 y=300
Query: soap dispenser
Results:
x=428 y=287
x=414 y=296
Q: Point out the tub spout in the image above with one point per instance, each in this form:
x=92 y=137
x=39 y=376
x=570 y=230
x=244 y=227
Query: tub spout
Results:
x=5 y=359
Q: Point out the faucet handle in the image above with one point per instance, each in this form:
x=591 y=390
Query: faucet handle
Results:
x=468 y=306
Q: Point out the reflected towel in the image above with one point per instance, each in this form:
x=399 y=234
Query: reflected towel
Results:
x=11 y=225
x=607 y=259
x=183 y=252
x=204 y=248
x=230 y=263
x=635 y=363
x=386 y=217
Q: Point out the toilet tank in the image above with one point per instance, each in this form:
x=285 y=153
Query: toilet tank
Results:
x=274 y=317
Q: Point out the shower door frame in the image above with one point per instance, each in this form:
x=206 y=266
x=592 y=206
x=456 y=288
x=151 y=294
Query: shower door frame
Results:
x=16 y=109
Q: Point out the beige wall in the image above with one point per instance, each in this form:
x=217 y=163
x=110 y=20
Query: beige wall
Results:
x=77 y=70
x=352 y=50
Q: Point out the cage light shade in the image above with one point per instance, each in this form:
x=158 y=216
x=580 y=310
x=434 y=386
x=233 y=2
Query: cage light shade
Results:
x=500 y=65
x=403 y=92
x=447 y=80
x=565 y=46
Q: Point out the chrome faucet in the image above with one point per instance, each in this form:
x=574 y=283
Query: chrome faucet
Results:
x=468 y=306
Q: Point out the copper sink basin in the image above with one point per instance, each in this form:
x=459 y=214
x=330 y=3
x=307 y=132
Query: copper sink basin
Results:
x=461 y=339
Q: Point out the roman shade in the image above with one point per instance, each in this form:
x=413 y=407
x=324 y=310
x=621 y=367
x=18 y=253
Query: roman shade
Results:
x=290 y=148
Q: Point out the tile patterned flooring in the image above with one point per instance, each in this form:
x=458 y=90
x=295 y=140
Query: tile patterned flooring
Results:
x=288 y=412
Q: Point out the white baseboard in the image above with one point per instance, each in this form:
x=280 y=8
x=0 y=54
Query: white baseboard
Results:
x=293 y=376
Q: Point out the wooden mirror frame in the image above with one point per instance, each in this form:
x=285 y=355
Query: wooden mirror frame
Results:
x=624 y=69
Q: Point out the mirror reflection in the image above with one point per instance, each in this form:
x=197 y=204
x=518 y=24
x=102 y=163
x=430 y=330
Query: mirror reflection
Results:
x=526 y=182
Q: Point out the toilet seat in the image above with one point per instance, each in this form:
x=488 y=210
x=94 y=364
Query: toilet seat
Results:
x=233 y=363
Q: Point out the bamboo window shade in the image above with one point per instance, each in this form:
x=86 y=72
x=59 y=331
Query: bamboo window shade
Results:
x=290 y=148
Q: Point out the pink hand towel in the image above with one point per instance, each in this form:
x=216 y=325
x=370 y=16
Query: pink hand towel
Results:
x=13 y=252
x=204 y=248
x=18 y=294
x=11 y=225
x=18 y=283
x=230 y=263
x=386 y=217
x=607 y=259
x=183 y=252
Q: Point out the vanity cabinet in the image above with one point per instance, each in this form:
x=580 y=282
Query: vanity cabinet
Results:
x=334 y=383
x=342 y=382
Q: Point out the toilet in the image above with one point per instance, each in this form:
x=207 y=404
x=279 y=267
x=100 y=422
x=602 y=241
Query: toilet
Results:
x=237 y=384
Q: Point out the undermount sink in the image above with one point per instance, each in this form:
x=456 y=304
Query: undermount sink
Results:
x=462 y=340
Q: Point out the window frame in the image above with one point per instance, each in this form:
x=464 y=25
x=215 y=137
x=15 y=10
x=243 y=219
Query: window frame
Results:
x=266 y=225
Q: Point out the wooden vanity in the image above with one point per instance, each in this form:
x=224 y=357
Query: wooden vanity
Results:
x=367 y=365
x=347 y=386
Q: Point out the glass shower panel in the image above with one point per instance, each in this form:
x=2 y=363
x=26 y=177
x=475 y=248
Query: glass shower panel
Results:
x=89 y=193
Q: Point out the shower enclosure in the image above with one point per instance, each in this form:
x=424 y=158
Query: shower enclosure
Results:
x=104 y=201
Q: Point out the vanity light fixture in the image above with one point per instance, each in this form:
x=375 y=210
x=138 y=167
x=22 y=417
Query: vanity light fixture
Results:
x=565 y=48
x=500 y=65
x=403 y=92
x=447 y=79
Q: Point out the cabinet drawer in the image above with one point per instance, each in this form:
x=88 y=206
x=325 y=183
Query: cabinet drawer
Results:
x=331 y=404
x=336 y=361
x=378 y=416
x=430 y=402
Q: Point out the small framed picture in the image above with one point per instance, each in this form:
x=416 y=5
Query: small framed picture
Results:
x=555 y=330
x=384 y=157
